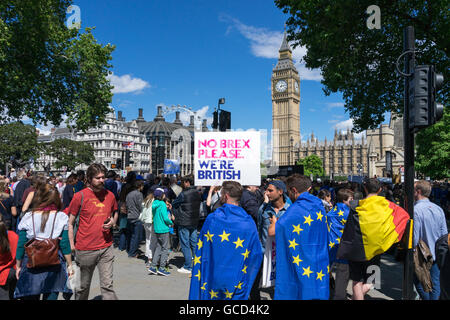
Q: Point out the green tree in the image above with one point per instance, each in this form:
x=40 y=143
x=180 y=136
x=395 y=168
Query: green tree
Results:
x=359 y=62
x=70 y=153
x=433 y=150
x=18 y=140
x=312 y=164
x=49 y=73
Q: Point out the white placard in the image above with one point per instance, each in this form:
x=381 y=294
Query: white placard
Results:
x=227 y=156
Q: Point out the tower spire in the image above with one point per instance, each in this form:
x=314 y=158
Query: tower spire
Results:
x=285 y=45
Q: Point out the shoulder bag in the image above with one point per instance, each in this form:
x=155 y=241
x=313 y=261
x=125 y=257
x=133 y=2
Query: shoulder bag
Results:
x=42 y=253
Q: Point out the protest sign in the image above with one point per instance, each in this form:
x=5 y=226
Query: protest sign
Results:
x=223 y=156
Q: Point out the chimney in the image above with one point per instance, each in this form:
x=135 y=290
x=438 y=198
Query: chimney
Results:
x=119 y=115
x=204 y=125
x=159 y=116
x=177 y=118
x=141 y=116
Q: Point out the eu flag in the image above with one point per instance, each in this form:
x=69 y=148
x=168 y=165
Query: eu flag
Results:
x=228 y=256
x=301 y=236
x=336 y=219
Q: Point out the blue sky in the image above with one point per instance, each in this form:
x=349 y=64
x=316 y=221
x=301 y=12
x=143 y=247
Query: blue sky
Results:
x=193 y=52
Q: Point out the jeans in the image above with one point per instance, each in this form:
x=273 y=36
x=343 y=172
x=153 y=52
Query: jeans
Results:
x=134 y=235
x=436 y=291
x=188 y=241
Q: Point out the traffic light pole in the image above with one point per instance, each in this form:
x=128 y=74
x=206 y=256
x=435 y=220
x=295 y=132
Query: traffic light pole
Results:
x=409 y=64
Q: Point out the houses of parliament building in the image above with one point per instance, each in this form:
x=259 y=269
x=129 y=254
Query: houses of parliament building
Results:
x=345 y=154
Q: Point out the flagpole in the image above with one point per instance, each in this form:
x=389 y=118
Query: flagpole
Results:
x=408 y=270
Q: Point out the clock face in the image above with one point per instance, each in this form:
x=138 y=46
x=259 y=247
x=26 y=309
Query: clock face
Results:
x=296 y=86
x=281 y=86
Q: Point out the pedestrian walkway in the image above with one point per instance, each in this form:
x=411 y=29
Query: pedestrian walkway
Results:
x=133 y=282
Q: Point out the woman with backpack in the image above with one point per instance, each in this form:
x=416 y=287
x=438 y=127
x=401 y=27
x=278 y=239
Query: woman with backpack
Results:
x=44 y=221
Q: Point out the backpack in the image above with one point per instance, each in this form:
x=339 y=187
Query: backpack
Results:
x=146 y=215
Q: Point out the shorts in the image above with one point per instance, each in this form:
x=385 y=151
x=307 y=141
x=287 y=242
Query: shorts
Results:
x=358 y=269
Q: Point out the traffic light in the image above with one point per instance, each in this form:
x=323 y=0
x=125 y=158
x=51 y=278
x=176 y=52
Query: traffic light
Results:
x=127 y=157
x=215 y=123
x=119 y=163
x=224 y=120
x=423 y=109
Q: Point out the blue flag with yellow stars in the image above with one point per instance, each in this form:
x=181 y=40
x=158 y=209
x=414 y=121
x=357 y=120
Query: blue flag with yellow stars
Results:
x=228 y=256
x=301 y=236
x=336 y=219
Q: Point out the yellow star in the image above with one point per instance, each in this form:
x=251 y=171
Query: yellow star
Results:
x=343 y=221
x=245 y=269
x=198 y=275
x=292 y=244
x=228 y=294
x=297 y=229
x=335 y=208
x=200 y=244
x=245 y=254
x=224 y=236
x=209 y=236
x=239 y=286
x=338 y=240
x=328 y=269
x=319 y=215
x=204 y=286
x=320 y=275
x=329 y=226
x=213 y=294
x=341 y=231
x=297 y=260
x=308 y=220
x=331 y=245
x=307 y=271
x=197 y=260
x=238 y=243
x=341 y=213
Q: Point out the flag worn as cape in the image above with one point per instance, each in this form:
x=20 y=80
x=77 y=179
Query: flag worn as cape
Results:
x=373 y=226
x=301 y=236
x=228 y=256
x=336 y=219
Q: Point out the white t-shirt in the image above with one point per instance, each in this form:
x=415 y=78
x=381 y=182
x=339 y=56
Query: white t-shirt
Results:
x=61 y=224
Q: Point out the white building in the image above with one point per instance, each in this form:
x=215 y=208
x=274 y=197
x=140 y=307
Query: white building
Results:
x=108 y=141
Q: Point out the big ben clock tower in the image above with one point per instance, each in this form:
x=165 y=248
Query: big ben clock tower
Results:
x=285 y=107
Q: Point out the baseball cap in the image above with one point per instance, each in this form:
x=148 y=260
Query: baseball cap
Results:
x=158 y=192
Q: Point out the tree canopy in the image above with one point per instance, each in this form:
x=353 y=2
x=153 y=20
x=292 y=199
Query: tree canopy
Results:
x=312 y=164
x=48 y=72
x=18 y=140
x=360 y=62
x=70 y=153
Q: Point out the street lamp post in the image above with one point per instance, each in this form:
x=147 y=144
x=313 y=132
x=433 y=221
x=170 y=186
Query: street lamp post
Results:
x=148 y=138
x=291 y=149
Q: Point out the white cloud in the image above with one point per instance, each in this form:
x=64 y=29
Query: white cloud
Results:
x=347 y=124
x=265 y=43
x=332 y=105
x=127 y=84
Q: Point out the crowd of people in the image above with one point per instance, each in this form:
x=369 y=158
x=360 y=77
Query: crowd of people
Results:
x=93 y=211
